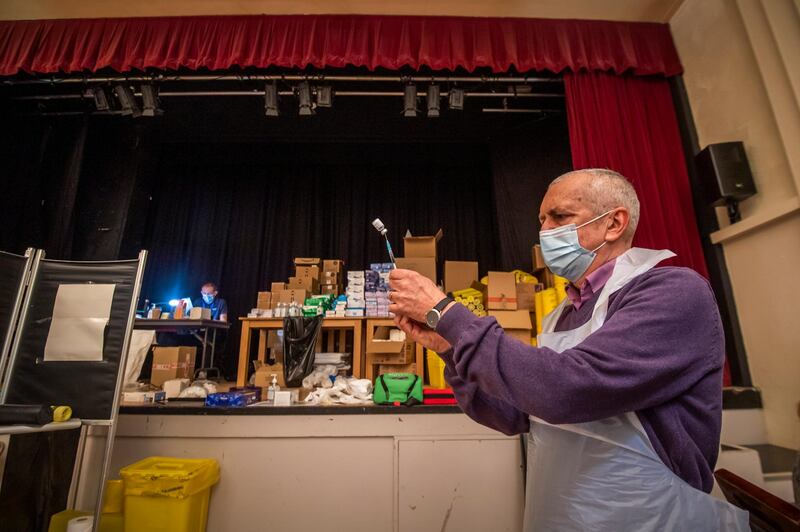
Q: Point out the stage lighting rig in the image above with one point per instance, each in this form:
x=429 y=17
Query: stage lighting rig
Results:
x=127 y=101
x=433 y=101
x=410 y=100
x=271 y=99
x=150 y=102
x=456 y=99
x=100 y=98
x=324 y=96
x=306 y=106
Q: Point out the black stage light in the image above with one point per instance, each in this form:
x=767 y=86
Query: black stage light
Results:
x=100 y=99
x=410 y=100
x=127 y=101
x=271 y=99
x=324 y=96
x=456 y=99
x=303 y=92
x=150 y=102
x=433 y=101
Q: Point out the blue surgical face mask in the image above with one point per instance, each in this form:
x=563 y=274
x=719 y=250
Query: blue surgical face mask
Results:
x=563 y=253
x=208 y=298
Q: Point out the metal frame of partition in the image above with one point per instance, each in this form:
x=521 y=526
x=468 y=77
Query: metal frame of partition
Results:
x=5 y=349
x=111 y=422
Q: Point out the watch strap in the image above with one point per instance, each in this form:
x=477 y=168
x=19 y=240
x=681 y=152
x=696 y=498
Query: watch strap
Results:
x=443 y=303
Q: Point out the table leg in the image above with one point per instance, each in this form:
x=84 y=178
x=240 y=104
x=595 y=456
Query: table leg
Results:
x=262 y=345
x=213 y=346
x=205 y=344
x=244 y=354
x=358 y=347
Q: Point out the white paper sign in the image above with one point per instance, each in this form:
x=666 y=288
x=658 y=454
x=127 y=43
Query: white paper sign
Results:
x=80 y=316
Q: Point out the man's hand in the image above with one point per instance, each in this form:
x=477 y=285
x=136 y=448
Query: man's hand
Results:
x=417 y=332
x=412 y=295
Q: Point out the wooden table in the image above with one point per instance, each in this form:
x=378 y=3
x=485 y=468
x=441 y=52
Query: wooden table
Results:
x=262 y=325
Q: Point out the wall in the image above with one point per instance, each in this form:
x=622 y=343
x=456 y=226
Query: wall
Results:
x=742 y=76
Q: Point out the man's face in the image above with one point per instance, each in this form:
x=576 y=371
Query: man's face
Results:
x=565 y=204
x=208 y=293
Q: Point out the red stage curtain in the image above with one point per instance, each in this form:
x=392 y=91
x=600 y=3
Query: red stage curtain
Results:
x=628 y=124
x=297 y=41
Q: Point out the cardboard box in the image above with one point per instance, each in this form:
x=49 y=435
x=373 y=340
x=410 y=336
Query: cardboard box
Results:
x=516 y=323
x=200 y=313
x=330 y=289
x=421 y=246
x=307 y=271
x=172 y=363
x=309 y=284
x=537 y=257
x=301 y=261
x=330 y=278
x=526 y=293
x=296 y=295
x=277 y=287
x=378 y=340
x=333 y=265
x=405 y=356
x=423 y=265
x=264 y=375
x=264 y=300
x=459 y=274
x=502 y=292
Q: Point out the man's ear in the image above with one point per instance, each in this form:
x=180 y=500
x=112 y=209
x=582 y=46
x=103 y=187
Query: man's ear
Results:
x=619 y=224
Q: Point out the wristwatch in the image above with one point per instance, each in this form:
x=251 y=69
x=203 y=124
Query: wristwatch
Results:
x=434 y=315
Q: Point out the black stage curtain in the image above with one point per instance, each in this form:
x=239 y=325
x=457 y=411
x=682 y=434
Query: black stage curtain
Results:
x=236 y=213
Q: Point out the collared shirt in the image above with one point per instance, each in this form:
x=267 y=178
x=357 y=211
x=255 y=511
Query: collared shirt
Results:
x=593 y=284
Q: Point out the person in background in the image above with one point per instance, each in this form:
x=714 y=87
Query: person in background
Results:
x=209 y=299
x=622 y=397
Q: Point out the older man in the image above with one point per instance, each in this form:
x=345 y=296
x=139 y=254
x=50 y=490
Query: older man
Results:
x=621 y=398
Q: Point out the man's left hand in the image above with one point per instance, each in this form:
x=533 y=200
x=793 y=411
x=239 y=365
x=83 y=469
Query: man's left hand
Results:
x=412 y=295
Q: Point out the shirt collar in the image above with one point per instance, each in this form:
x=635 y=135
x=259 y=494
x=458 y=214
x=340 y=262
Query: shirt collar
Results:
x=593 y=284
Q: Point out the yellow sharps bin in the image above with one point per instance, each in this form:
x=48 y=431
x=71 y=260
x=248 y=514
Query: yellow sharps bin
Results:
x=168 y=494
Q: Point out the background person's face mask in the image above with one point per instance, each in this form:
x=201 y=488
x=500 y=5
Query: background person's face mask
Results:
x=563 y=253
x=208 y=298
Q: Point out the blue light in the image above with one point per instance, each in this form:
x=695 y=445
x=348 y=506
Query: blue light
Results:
x=174 y=302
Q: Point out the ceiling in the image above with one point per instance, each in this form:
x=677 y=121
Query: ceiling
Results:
x=622 y=10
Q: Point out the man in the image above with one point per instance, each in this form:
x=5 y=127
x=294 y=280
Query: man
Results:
x=622 y=397
x=209 y=299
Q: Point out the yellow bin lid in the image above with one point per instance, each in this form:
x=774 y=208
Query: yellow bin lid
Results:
x=162 y=476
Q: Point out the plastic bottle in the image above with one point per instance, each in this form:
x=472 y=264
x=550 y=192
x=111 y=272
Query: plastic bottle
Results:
x=273 y=387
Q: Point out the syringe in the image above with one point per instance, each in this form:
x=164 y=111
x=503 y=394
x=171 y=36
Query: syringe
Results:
x=378 y=224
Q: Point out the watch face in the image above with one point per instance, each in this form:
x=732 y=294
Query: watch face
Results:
x=432 y=318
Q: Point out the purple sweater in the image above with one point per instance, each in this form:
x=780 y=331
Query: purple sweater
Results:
x=659 y=353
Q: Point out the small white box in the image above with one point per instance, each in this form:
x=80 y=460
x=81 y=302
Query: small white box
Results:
x=199 y=313
x=283 y=398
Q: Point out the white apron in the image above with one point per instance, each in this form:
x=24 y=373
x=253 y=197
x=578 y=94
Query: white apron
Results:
x=604 y=475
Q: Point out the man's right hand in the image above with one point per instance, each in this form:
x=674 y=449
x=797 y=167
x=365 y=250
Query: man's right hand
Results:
x=417 y=332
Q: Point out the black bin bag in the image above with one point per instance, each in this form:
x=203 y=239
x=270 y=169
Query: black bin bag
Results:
x=300 y=335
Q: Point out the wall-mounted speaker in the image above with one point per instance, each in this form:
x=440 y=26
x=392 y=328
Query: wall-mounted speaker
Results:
x=725 y=173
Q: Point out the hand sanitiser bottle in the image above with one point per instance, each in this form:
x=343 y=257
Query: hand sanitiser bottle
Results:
x=273 y=387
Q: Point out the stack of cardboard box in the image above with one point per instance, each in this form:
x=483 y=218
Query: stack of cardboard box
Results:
x=420 y=255
x=504 y=304
x=306 y=277
x=331 y=280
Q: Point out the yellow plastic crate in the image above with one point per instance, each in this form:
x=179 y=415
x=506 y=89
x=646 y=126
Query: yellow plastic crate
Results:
x=435 y=370
x=168 y=494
